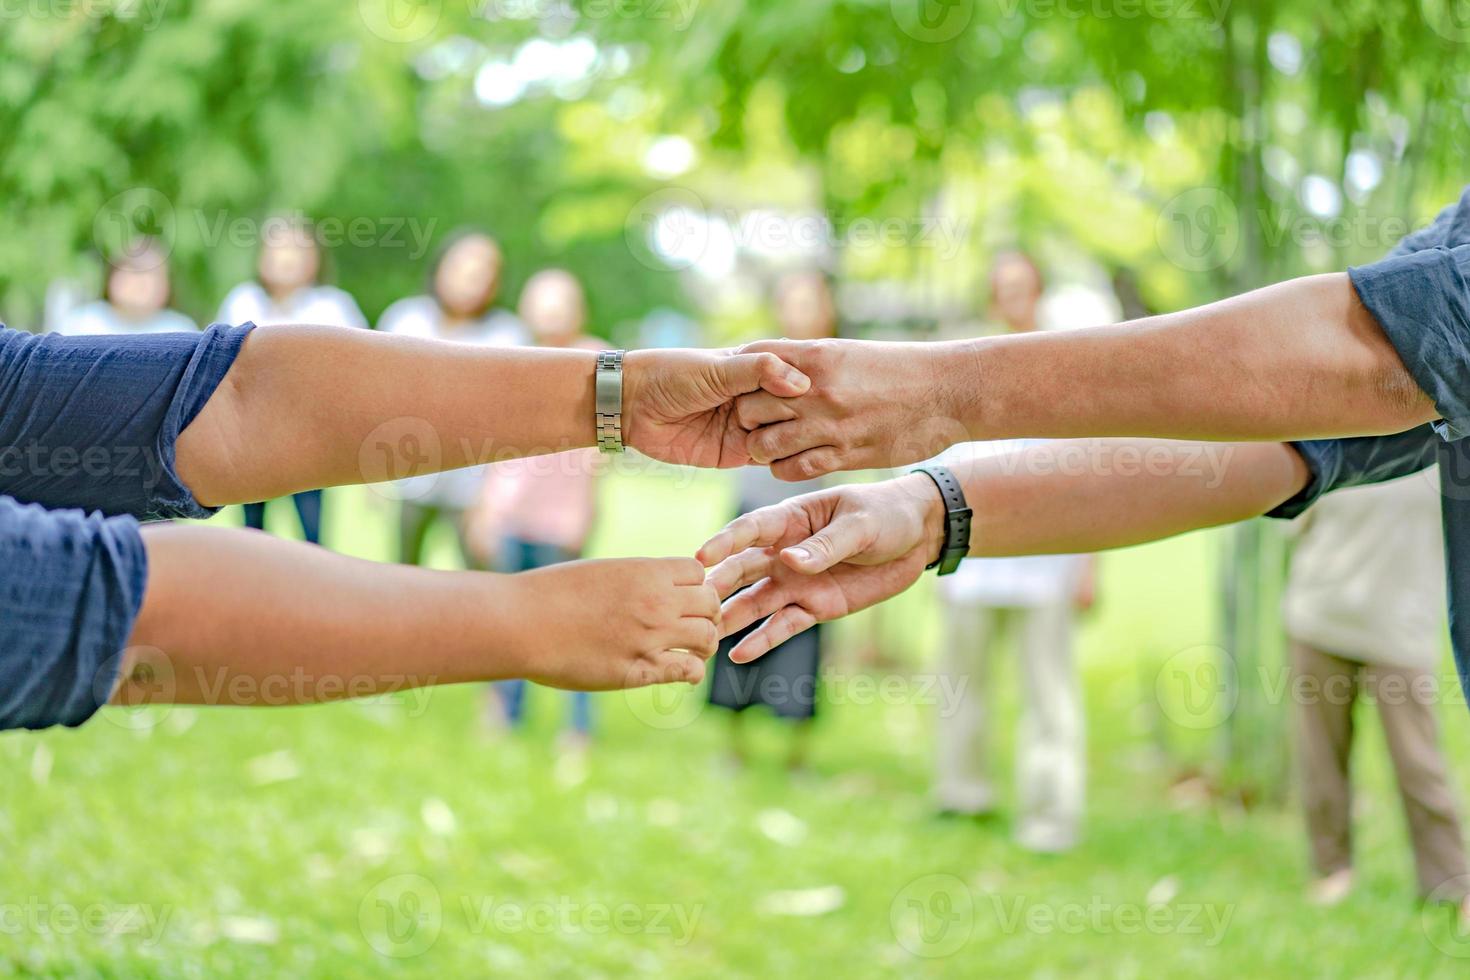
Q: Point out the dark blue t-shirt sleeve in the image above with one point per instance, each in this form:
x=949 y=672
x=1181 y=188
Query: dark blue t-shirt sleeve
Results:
x=91 y=422
x=71 y=585
x=1337 y=463
x=1420 y=297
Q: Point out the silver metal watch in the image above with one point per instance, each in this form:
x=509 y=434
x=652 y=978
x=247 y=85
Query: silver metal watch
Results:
x=609 y=401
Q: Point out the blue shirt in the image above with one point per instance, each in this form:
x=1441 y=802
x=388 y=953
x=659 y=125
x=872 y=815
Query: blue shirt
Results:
x=1419 y=296
x=87 y=433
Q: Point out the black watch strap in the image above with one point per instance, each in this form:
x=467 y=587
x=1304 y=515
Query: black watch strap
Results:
x=956 y=519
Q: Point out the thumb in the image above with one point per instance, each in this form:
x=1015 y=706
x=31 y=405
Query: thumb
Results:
x=835 y=543
x=740 y=374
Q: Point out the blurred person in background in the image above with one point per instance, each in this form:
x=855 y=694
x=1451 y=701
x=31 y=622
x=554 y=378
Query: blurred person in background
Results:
x=289 y=290
x=135 y=298
x=1364 y=609
x=1028 y=602
x=536 y=512
x=464 y=282
x=784 y=680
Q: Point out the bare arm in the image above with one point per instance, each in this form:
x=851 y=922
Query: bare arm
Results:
x=233 y=617
x=1299 y=359
x=827 y=554
x=309 y=406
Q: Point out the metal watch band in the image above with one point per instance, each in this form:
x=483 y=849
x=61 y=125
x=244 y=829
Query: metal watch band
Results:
x=957 y=515
x=609 y=401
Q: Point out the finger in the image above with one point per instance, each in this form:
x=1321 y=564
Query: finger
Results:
x=772 y=633
x=759 y=528
x=743 y=373
x=736 y=572
x=838 y=541
x=809 y=465
x=700 y=600
x=684 y=571
x=677 y=666
x=752 y=605
x=772 y=442
x=760 y=408
x=696 y=634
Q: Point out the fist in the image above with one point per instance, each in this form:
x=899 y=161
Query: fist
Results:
x=619 y=623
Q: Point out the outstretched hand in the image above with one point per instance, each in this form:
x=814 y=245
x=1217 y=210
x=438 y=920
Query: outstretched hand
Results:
x=679 y=405
x=821 y=556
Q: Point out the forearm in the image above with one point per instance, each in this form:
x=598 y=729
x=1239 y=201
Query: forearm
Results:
x=233 y=617
x=1090 y=495
x=1300 y=359
x=307 y=406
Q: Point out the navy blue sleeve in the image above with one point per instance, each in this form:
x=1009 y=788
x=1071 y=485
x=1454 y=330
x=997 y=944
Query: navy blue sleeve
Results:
x=1420 y=297
x=71 y=585
x=91 y=422
x=1337 y=463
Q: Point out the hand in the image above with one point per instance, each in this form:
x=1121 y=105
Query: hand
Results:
x=870 y=405
x=679 y=405
x=821 y=556
x=620 y=623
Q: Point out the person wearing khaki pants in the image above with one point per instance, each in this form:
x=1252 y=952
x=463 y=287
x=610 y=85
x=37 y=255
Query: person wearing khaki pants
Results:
x=1364 y=611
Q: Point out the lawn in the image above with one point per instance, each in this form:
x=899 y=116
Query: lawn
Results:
x=398 y=838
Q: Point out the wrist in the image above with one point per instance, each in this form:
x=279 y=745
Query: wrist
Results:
x=958 y=370
x=637 y=364
x=930 y=511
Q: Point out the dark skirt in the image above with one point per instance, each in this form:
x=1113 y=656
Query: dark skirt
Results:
x=784 y=680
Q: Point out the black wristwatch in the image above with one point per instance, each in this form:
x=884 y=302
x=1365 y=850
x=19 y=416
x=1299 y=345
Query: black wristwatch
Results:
x=956 y=519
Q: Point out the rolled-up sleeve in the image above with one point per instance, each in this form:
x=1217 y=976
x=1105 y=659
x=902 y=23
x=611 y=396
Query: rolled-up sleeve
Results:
x=91 y=422
x=1422 y=301
x=1337 y=463
x=71 y=585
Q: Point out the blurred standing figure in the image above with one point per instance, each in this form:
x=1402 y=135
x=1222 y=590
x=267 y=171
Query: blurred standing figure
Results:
x=539 y=511
x=134 y=299
x=1029 y=601
x=289 y=291
x=1364 y=609
x=464 y=282
x=785 y=679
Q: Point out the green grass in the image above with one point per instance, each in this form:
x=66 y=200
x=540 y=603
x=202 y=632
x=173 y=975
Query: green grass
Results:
x=275 y=842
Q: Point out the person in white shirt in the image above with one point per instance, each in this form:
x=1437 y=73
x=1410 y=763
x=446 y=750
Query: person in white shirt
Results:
x=289 y=291
x=464 y=282
x=1364 y=609
x=134 y=300
x=1029 y=601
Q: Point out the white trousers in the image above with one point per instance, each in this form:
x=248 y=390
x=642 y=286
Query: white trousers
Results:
x=1051 y=742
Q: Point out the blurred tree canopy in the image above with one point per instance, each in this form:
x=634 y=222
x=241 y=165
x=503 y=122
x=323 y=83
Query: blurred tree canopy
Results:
x=1202 y=145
